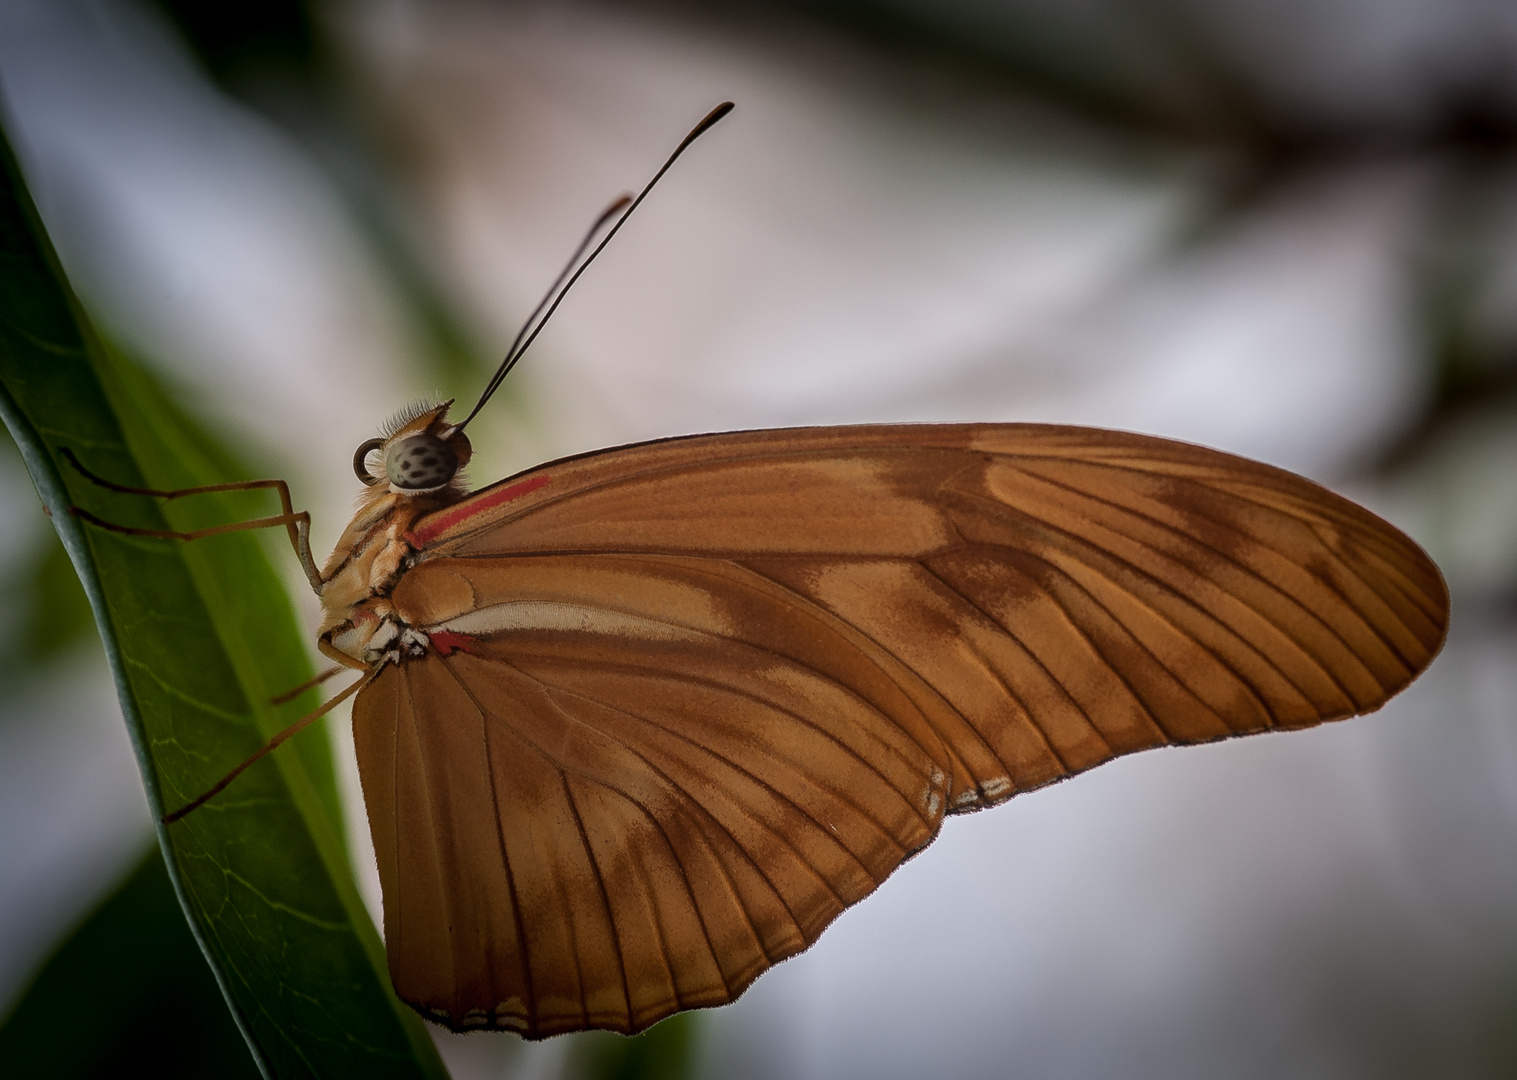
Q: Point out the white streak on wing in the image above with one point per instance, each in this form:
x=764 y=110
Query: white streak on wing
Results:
x=511 y=1014
x=546 y=615
x=997 y=787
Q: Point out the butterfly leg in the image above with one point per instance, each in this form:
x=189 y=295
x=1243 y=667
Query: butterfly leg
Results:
x=296 y=523
x=291 y=695
x=268 y=747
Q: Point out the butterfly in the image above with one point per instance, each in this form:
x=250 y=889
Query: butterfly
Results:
x=634 y=726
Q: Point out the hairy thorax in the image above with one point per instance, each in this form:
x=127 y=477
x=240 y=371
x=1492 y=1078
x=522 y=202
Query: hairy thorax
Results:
x=361 y=627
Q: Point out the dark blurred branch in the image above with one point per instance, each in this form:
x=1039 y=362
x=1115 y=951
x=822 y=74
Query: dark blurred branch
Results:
x=1150 y=69
x=236 y=38
x=1474 y=364
x=1157 y=72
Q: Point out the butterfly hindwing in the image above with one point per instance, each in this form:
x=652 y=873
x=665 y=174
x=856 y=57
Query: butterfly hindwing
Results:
x=669 y=777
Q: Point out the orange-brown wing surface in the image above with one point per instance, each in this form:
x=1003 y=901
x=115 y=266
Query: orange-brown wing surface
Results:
x=689 y=700
x=630 y=786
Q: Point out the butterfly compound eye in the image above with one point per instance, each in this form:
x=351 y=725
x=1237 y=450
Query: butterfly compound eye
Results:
x=420 y=462
x=361 y=461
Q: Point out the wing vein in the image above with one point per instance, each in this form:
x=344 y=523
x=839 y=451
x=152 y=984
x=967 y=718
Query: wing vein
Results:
x=866 y=635
x=1010 y=691
x=426 y=783
x=760 y=782
x=1031 y=716
x=738 y=844
x=1249 y=571
x=1071 y=551
x=523 y=942
x=732 y=886
x=600 y=883
x=841 y=796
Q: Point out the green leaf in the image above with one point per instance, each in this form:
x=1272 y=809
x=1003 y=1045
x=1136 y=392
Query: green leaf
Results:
x=665 y=1051
x=199 y=636
x=150 y=997
x=46 y=611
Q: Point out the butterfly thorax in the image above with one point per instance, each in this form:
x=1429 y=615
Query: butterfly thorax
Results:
x=412 y=470
x=361 y=627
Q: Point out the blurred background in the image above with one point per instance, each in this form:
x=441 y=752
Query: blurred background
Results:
x=1285 y=228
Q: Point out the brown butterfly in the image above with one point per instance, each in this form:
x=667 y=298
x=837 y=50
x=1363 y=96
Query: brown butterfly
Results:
x=636 y=725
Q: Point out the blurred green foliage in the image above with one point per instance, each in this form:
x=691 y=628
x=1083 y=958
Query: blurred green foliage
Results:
x=126 y=988
x=665 y=1051
x=1131 y=67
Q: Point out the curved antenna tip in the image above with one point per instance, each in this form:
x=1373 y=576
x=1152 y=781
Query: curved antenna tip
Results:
x=623 y=206
x=711 y=117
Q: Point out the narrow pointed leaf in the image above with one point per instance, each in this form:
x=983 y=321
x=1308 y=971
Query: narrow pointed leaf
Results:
x=199 y=636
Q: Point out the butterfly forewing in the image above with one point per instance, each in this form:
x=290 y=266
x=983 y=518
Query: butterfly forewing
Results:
x=688 y=701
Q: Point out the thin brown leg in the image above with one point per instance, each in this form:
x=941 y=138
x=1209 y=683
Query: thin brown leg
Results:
x=297 y=524
x=294 y=729
x=291 y=695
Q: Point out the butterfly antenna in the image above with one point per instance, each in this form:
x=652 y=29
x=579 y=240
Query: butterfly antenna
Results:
x=560 y=288
x=500 y=373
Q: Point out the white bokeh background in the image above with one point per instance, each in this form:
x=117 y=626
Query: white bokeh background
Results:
x=852 y=244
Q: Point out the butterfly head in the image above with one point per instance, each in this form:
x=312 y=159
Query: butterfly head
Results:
x=420 y=454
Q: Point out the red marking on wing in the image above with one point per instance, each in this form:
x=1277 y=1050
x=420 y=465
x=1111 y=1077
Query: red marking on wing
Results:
x=446 y=519
x=446 y=642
